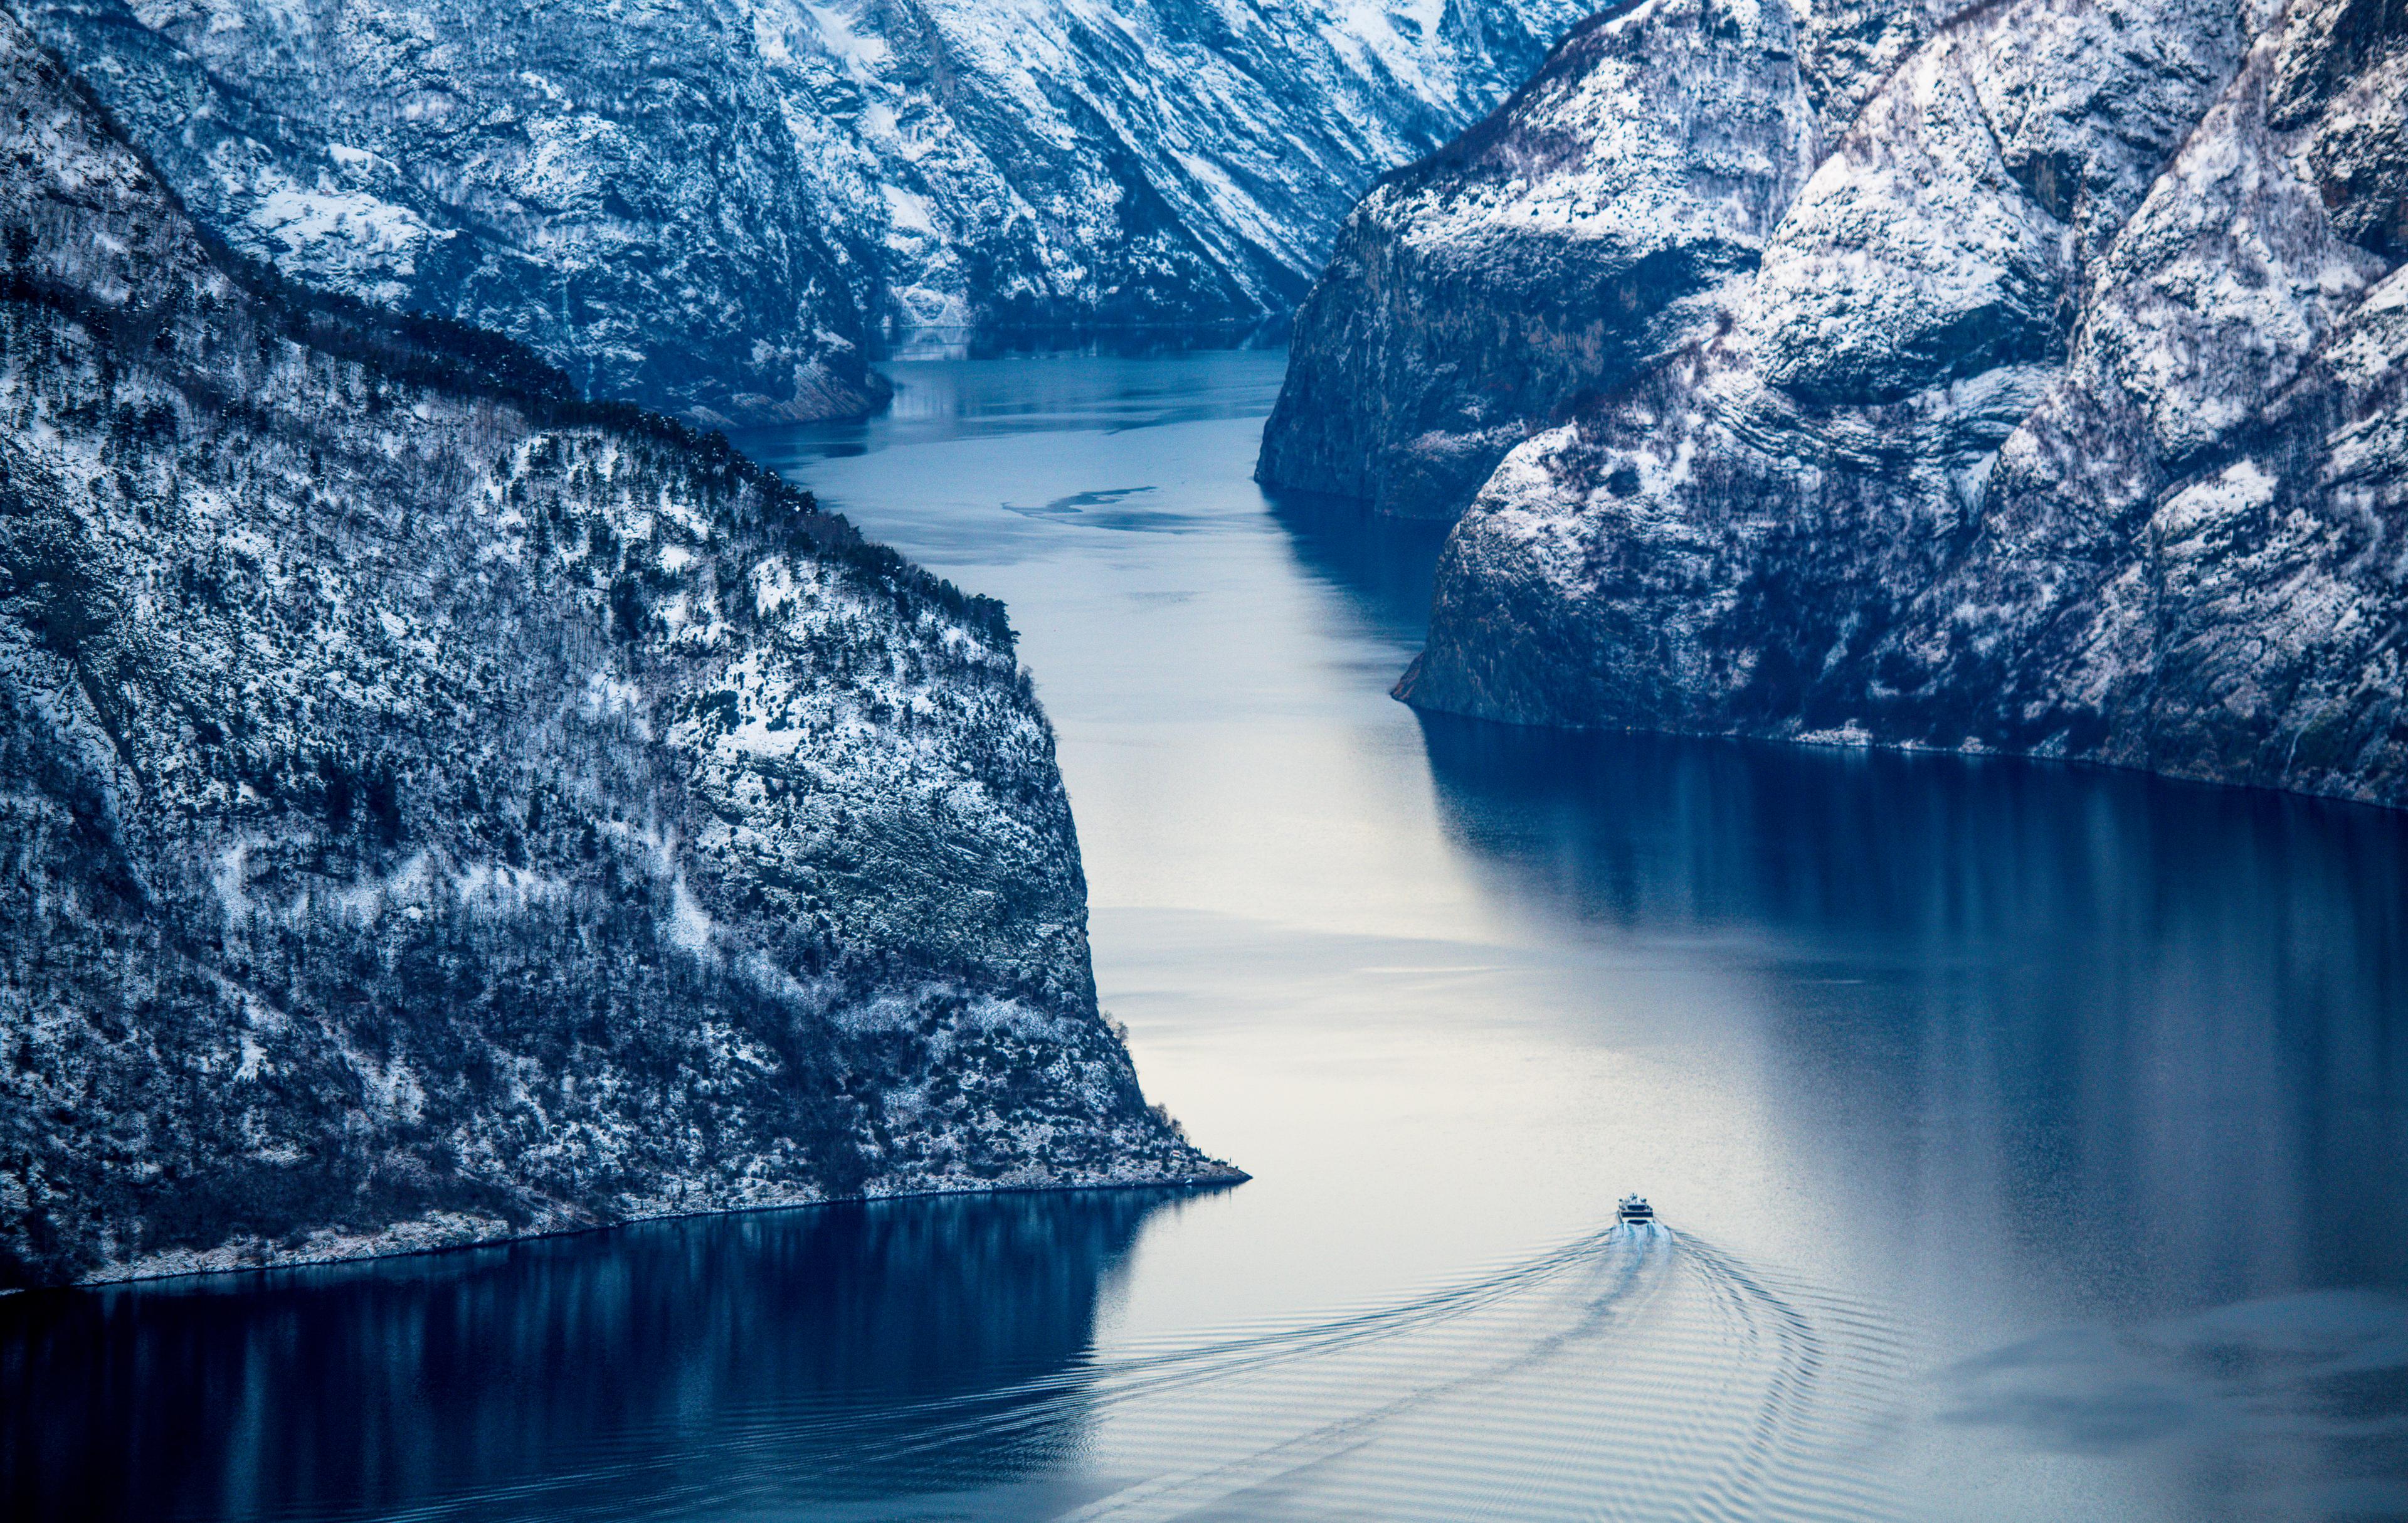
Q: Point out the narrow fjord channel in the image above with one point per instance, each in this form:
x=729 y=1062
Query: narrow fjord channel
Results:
x=2030 y=1142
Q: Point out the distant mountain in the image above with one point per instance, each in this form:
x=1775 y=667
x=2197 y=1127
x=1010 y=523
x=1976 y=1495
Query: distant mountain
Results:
x=1157 y=161
x=434 y=808
x=2031 y=379
x=718 y=207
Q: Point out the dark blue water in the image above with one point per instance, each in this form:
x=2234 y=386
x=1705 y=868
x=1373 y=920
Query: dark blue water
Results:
x=2031 y=1143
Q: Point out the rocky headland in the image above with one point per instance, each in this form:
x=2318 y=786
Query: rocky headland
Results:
x=2027 y=379
x=435 y=808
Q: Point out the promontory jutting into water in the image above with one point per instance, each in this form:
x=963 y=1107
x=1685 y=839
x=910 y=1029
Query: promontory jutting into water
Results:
x=2026 y=1142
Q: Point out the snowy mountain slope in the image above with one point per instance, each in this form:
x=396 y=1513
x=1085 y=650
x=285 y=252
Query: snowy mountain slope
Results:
x=1047 y=160
x=1946 y=183
x=435 y=809
x=2062 y=416
x=1562 y=240
x=715 y=208
x=613 y=186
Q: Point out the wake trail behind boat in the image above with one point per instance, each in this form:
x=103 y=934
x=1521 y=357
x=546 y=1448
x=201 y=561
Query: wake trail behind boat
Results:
x=1634 y=1372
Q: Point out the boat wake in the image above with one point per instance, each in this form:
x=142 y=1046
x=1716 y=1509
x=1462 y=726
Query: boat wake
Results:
x=1637 y=1372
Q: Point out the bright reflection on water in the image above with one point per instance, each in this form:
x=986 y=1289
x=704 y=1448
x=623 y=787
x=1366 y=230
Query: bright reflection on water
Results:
x=2031 y=1143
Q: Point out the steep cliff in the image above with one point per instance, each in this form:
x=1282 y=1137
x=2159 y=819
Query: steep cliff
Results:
x=1564 y=240
x=2058 y=411
x=1569 y=242
x=434 y=809
x=717 y=207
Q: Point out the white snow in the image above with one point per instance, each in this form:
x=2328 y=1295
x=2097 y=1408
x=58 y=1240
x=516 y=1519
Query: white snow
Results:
x=689 y=927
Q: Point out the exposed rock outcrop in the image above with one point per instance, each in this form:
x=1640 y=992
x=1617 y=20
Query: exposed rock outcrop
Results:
x=433 y=808
x=2063 y=416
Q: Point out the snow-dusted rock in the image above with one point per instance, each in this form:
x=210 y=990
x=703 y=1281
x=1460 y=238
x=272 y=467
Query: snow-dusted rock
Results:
x=2062 y=417
x=434 y=808
x=1567 y=239
x=2342 y=76
x=1940 y=238
x=718 y=206
x=1935 y=241
x=2188 y=556
x=614 y=186
x=1148 y=161
x=1847 y=48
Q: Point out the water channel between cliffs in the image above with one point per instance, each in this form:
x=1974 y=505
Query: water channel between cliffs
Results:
x=2031 y=1141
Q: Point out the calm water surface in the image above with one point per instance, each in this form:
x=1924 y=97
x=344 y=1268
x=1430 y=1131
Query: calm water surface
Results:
x=2031 y=1143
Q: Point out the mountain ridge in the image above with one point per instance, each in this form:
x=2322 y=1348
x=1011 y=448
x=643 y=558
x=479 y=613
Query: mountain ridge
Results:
x=724 y=210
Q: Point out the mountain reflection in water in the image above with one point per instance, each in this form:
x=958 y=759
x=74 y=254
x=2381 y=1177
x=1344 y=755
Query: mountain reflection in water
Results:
x=672 y=1366
x=2170 y=997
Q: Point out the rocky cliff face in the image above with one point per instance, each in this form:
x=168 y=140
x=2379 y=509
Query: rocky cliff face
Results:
x=717 y=207
x=434 y=808
x=2056 y=412
x=1569 y=242
x=1563 y=240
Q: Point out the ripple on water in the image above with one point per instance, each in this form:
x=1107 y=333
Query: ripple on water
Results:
x=1636 y=1373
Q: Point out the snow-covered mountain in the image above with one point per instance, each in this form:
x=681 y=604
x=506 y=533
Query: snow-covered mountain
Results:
x=1155 y=161
x=1558 y=243
x=2046 y=393
x=434 y=808
x=718 y=206
x=614 y=186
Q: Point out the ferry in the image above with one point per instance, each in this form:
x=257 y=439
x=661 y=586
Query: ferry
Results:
x=1635 y=1210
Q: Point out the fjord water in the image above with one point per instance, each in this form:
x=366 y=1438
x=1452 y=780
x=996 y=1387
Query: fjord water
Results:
x=2031 y=1143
